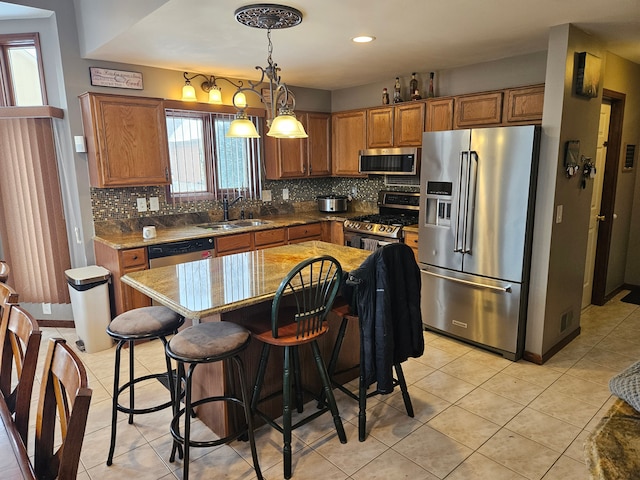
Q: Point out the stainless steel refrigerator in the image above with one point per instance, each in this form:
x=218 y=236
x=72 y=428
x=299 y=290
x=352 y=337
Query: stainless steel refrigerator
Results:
x=476 y=214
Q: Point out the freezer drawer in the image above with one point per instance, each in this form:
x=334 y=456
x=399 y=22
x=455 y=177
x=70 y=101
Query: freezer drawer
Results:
x=481 y=310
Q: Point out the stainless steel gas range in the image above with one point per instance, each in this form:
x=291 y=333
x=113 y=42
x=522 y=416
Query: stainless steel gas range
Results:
x=396 y=210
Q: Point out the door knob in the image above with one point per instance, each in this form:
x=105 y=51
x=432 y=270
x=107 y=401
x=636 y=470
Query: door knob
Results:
x=600 y=218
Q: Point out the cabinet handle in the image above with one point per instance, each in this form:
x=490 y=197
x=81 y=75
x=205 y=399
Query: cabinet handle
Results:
x=166 y=173
x=310 y=169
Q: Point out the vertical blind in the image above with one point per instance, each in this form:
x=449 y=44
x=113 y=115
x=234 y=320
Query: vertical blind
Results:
x=34 y=236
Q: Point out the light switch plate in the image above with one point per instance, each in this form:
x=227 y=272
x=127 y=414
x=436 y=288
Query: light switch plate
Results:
x=154 y=204
x=266 y=195
x=80 y=144
x=142 y=204
x=559 y=209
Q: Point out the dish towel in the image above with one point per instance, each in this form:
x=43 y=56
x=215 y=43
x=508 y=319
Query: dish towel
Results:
x=356 y=241
x=370 y=244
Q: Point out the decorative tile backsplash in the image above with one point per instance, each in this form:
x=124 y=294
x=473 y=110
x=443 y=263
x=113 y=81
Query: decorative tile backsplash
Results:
x=119 y=205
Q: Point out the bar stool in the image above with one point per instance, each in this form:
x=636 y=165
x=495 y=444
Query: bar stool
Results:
x=298 y=315
x=206 y=343
x=145 y=323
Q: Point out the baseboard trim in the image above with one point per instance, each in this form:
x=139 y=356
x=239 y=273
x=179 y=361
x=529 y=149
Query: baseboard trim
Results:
x=540 y=359
x=57 y=323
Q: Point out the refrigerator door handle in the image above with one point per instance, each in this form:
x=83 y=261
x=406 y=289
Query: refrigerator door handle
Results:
x=469 y=217
x=458 y=238
x=506 y=289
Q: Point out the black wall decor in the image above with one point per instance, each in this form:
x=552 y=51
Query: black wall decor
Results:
x=587 y=68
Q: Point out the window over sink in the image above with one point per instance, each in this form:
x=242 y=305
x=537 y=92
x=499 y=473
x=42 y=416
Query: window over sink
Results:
x=205 y=164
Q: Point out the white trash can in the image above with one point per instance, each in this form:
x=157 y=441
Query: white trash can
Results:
x=89 y=290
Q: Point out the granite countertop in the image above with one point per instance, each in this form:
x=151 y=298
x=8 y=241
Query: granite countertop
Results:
x=122 y=240
x=612 y=450
x=221 y=284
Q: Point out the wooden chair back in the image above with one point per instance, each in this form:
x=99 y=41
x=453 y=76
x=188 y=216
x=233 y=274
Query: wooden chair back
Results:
x=4 y=271
x=307 y=294
x=8 y=297
x=19 y=340
x=64 y=398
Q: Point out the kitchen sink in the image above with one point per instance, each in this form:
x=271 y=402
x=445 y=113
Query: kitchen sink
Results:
x=218 y=226
x=249 y=223
x=233 y=224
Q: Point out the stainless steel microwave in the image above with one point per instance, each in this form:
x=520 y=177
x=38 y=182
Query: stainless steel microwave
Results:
x=389 y=161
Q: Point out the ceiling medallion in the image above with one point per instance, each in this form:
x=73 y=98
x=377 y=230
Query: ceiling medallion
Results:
x=269 y=16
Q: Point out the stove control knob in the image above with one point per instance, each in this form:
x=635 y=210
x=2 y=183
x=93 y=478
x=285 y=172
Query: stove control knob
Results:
x=369 y=226
x=383 y=228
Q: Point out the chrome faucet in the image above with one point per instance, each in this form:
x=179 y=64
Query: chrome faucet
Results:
x=226 y=205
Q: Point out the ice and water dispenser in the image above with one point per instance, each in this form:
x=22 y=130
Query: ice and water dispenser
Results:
x=438 y=211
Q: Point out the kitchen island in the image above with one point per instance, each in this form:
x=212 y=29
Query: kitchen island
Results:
x=240 y=288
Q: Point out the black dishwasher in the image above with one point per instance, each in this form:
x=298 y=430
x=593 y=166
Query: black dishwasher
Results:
x=180 y=252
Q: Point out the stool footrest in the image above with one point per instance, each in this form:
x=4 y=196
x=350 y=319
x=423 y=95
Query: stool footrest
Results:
x=140 y=411
x=175 y=423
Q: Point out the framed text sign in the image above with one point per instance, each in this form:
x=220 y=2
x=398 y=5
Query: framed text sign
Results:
x=106 y=77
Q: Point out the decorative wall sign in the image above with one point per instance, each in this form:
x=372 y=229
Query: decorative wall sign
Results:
x=106 y=77
x=587 y=74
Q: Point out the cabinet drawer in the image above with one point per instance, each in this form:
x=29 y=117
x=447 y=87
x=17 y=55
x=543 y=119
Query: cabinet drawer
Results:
x=312 y=231
x=233 y=243
x=134 y=257
x=275 y=236
x=411 y=239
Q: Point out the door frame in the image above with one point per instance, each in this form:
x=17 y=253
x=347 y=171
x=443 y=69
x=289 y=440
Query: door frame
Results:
x=605 y=228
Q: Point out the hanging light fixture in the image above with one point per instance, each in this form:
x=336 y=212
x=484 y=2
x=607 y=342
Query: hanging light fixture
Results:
x=209 y=85
x=280 y=102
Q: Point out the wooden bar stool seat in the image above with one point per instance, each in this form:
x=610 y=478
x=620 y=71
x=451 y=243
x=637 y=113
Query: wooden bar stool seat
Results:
x=145 y=323
x=206 y=343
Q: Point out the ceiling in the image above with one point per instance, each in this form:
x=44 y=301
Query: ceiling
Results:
x=411 y=35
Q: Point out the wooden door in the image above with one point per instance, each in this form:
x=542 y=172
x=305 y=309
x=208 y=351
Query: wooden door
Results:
x=439 y=115
x=349 y=136
x=596 y=197
x=409 y=124
x=318 y=126
x=380 y=127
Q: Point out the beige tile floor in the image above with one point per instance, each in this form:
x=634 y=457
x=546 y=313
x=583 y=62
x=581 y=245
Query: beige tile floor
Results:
x=477 y=416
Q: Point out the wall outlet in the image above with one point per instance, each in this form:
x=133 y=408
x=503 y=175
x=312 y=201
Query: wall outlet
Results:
x=285 y=194
x=46 y=308
x=559 y=209
x=154 y=204
x=266 y=195
x=142 y=204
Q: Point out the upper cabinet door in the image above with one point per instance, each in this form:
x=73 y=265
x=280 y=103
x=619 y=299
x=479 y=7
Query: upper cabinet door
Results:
x=524 y=105
x=126 y=140
x=409 y=124
x=380 y=127
x=349 y=136
x=483 y=110
x=318 y=126
x=439 y=114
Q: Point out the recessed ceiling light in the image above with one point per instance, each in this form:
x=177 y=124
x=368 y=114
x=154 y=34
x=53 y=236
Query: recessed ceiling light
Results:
x=363 y=39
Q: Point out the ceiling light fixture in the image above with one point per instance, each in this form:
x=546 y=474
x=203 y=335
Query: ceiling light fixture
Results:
x=279 y=101
x=363 y=39
x=209 y=85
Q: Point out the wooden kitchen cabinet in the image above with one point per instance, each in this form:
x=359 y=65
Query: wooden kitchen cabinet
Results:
x=523 y=106
x=481 y=110
x=395 y=126
x=333 y=231
x=120 y=262
x=270 y=238
x=237 y=243
x=439 y=114
x=304 y=233
x=380 y=127
x=126 y=140
x=304 y=157
x=349 y=136
x=408 y=124
x=411 y=239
